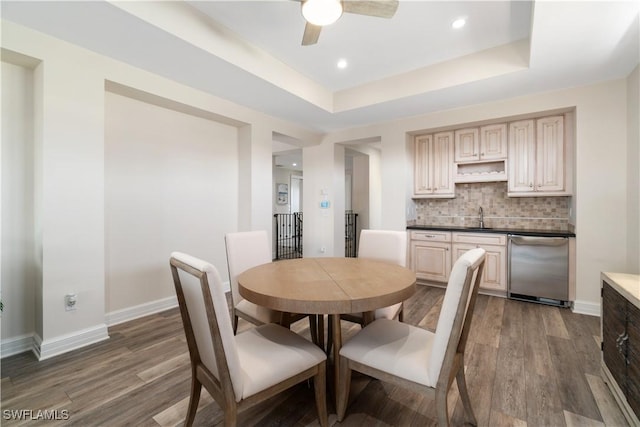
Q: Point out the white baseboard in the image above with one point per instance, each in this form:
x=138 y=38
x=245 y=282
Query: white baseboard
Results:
x=135 y=312
x=17 y=345
x=53 y=347
x=62 y=344
x=588 y=308
x=131 y=313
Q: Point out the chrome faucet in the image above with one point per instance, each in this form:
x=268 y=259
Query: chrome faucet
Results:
x=481 y=225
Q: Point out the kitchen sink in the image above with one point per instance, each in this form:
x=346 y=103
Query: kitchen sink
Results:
x=478 y=228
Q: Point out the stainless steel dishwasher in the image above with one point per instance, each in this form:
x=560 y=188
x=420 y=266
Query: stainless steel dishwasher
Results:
x=539 y=269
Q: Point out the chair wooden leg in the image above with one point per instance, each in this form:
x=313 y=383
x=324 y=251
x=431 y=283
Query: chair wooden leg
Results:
x=235 y=323
x=320 y=320
x=464 y=396
x=231 y=417
x=320 y=387
x=342 y=388
x=441 y=407
x=194 y=399
x=313 y=328
x=329 y=336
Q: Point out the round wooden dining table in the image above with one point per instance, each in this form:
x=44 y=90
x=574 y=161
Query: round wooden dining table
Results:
x=330 y=286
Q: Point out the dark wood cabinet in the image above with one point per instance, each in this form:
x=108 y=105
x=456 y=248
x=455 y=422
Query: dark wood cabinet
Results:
x=621 y=349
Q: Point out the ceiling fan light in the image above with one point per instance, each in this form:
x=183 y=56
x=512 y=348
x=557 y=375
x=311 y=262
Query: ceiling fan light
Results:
x=321 y=12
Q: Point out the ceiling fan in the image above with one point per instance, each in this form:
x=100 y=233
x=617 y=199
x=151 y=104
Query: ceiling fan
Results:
x=319 y=13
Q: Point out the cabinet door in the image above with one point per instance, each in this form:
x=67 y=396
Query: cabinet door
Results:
x=431 y=260
x=421 y=181
x=494 y=275
x=442 y=156
x=614 y=309
x=522 y=152
x=633 y=358
x=467 y=145
x=493 y=142
x=550 y=154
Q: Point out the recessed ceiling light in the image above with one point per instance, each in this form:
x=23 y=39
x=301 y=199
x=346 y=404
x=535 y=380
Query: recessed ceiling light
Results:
x=458 y=23
x=294 y=164
x=342 y=63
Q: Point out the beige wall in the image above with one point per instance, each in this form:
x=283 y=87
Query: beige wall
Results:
x=171 y=184
x=633 y=170
x=20 y=269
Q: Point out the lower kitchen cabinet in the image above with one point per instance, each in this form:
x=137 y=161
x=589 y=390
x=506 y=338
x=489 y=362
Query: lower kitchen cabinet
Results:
x=430 y=255
x=494 y=276
x=621 y=341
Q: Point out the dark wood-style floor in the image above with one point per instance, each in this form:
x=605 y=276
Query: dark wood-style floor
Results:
x=527 y=365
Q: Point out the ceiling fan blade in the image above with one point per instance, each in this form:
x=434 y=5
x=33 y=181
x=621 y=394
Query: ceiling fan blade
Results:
x=311 y=34
x=379 y=8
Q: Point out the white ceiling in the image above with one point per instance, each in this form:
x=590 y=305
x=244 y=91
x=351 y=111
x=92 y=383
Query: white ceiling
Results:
x=249 y=51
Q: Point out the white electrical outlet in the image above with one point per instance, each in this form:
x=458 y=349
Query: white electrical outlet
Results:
x=70 y=302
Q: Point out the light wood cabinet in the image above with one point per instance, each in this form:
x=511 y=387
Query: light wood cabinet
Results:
x=467 y=145
x=430 y=255
x=433 y=166
x=534 y=155
x=494 y=276
x=493 y=142
x=621 y=347
x=537 y=157
x=483 y=144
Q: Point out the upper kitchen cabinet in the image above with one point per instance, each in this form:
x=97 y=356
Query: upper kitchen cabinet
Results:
x=481 y=154
x=433 y=166
x=538 y=161
x=486 y=143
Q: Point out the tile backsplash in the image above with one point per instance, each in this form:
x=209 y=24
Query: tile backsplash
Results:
x=500 y=211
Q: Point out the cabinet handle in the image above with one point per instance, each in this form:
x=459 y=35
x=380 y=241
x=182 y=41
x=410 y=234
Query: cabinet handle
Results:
x=531 y=185
x=431 y=236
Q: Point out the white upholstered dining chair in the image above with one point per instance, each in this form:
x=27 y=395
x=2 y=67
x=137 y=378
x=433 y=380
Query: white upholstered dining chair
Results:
x=247 y=249
x=417 y=359
x=389 y=246
x=241 y=370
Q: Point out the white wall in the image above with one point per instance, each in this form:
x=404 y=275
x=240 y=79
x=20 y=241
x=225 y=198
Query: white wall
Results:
x=171 y=184
x=20 y=265
x=633 y=170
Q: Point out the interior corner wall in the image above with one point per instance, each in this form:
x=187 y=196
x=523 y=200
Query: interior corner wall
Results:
x=318 y=161
x=633 y=171
x=360 y=191
x=171 y=184
x=376 y=204
x=337 y=201
x=19 y=265
x=255 y=178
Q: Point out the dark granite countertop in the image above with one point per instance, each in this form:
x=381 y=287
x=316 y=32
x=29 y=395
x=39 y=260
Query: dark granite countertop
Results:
x=521 y=232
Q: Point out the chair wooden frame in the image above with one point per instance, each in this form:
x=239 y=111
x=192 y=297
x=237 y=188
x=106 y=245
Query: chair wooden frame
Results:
x=316 y=325
x=452 y=366
x=363 y=319
x=222 y=390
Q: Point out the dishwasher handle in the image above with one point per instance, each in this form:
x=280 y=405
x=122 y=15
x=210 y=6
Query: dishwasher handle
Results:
x=537 y=241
